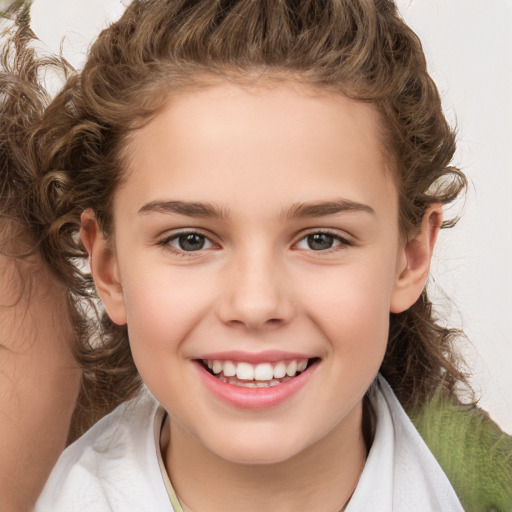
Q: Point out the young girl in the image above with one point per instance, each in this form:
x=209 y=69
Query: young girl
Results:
x=259 y=186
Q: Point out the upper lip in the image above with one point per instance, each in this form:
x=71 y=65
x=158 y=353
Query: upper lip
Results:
x=267 y=356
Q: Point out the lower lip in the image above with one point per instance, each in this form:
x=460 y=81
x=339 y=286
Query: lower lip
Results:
x=254 y=398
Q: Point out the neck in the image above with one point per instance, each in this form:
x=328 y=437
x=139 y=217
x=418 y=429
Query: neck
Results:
x=325 y=473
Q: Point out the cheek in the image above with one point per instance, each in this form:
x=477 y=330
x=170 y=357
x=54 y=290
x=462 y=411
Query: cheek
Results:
x=351 y=306
x=163 y=304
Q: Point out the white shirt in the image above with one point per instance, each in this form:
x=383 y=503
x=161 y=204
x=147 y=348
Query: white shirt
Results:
x=115 y=466
x=112 y=467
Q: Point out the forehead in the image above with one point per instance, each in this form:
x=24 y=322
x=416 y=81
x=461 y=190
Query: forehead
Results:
x=275 y=140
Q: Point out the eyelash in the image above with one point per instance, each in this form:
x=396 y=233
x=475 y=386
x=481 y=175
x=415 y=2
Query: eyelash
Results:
x=341 y=242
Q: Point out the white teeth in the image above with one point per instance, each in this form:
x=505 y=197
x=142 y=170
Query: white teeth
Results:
x=279 y=370
x=245 y=371
x=242 y=384
x=263 y=371
x=291 y=369
x=229 y=369
x=266 y=373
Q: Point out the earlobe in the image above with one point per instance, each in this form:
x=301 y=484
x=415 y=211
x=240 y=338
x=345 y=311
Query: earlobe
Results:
x=418 y=251
x=104 y=268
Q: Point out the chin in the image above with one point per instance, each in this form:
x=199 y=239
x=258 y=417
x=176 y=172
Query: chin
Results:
x=258 y=452
x=258 y=457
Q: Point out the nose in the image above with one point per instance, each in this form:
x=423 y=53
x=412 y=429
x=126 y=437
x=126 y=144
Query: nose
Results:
x=256 y=292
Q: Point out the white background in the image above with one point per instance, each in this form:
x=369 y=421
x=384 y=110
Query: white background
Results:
x=469 y=48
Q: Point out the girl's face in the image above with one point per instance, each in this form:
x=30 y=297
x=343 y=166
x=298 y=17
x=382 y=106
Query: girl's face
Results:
x=257 y=233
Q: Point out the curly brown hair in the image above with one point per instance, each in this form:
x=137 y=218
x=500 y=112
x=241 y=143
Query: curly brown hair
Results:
x=359 y=48
x=20 y=109
x=23 y=99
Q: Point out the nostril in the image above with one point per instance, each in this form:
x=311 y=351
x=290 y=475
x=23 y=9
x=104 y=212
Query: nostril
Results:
x=253 y=323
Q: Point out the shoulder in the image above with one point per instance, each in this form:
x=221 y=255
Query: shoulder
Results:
x=113 y=466
x=473 y=451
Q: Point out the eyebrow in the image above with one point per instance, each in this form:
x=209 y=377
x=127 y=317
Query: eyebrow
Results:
x=190 y=209
x=324 y=208
x=295 y=211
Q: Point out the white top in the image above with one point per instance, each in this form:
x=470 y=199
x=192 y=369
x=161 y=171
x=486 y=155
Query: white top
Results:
x=115 y=466
x=112 y=467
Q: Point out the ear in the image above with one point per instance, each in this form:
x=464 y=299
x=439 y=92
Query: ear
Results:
x=104 y=267
x=418 y=253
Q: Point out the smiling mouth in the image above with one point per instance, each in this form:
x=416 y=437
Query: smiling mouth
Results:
x=262 y=375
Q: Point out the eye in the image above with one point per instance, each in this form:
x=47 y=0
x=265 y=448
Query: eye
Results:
x=187 y=242
x=321 y=241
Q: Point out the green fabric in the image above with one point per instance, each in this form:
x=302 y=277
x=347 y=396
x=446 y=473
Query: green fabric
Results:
x=472 y=450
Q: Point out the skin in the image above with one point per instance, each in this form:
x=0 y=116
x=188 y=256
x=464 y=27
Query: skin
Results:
x=256 y=154
x=38 y=377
